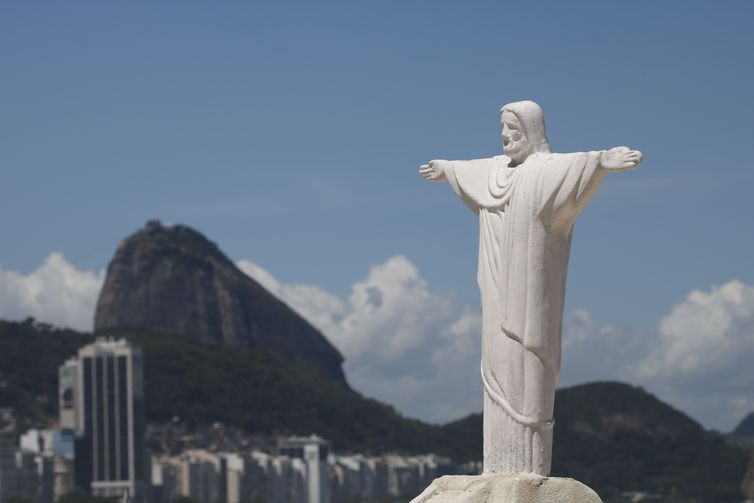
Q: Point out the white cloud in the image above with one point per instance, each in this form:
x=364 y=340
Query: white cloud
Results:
x=403 y=343
x=699 y=359
x=55 y=293
x=706 y=332
x=704 y=356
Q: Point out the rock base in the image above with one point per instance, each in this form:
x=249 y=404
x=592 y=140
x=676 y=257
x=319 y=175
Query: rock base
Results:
x=506 y=488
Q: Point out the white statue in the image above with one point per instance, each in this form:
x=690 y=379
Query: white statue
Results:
x=527 y=201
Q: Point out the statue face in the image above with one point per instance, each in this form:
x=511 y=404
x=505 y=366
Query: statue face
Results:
x=515 y=143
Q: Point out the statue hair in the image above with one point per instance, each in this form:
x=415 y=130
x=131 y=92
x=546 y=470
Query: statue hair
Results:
x=532 y=119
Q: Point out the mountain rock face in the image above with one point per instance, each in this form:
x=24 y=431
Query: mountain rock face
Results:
x=172 y=279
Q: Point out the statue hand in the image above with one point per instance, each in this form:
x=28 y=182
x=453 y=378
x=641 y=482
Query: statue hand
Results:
x=620 y=159
x=433 y=171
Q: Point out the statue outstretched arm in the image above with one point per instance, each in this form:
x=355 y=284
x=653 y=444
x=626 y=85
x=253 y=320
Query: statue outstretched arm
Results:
x=434 y=171
x=468 y=179
x=570 y=185
x=620 y=159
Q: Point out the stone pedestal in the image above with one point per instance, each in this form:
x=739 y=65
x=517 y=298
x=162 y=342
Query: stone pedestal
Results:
x=506 y=488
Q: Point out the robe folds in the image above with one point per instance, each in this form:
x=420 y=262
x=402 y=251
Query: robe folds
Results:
x=526 y=216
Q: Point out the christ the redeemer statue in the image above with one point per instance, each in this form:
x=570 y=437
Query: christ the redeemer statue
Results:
x=527 y=201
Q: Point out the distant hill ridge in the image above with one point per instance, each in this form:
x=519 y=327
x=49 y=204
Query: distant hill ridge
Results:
x=745 y=427
x=743 y=434
x=172 y=279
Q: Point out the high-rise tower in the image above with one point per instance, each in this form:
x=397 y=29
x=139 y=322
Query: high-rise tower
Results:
x=107 y=418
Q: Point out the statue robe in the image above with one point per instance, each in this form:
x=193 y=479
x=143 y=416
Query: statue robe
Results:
x=526 y=217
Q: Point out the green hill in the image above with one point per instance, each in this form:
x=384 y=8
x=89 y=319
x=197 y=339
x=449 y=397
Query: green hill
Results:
x=30 y=354
x=253 y=389
x=611 y=436
x=614 y=436
x=259 y=391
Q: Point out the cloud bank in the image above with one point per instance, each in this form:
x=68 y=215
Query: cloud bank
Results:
x=699 y=359
x=418 y=349
x=704 y=358
x=56 y=292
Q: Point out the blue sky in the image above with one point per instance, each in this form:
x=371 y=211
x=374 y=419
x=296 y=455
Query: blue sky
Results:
x=290 y=134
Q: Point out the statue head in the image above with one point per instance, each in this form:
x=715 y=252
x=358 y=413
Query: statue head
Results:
x=523 y=130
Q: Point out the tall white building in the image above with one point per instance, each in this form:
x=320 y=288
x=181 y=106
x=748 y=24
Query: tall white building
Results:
x=313 y=451
x=104 y=407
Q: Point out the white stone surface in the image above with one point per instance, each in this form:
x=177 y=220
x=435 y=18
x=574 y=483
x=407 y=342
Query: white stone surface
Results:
x=506 y=488
x=527 y=202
